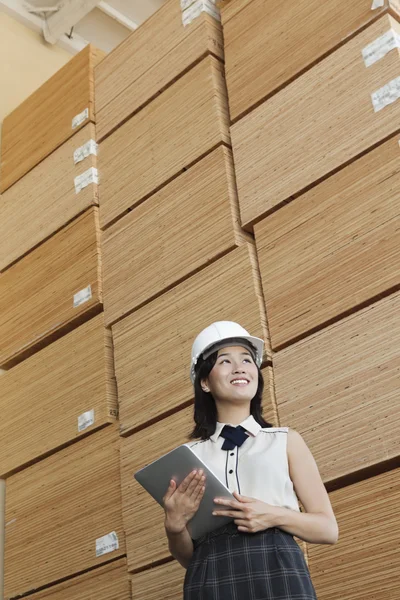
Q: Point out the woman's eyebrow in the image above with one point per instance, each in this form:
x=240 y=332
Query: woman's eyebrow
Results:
x=230 y=354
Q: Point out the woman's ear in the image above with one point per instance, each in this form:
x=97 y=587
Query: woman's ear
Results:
x=204 y=385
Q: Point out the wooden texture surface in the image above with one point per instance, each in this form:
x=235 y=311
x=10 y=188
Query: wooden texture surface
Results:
x=268 y=43
x=44 y=200
x=56 y=509
x=109 y=582
x=44 y=120
x=181 y=228
x=148 y=60
x=316 y=124
x=42 y=397
x=339 y=388
x=333 y=248
x=145 y=537
x=152 y=346
x=164 y=582
x=37 y=292
x=365 y=561
x=187 y=120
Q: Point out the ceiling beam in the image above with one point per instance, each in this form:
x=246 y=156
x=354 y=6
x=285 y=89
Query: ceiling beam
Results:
x=68 y=15
x=17 y=9
x=110 y=11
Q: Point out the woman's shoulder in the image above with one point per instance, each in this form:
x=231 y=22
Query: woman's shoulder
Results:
x=275 y=429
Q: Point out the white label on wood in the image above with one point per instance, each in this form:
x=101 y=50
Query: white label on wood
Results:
x=107 y=543
x=82 y=296
x=197 y=8
x=85 y=420
x=79 y=119
x=386 y=95
x=377 y=4
x=380 y=47
x=85 y=179
x=81 y=153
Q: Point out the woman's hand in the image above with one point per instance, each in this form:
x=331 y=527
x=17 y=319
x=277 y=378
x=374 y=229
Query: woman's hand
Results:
x=181 y=503
x=250 y=515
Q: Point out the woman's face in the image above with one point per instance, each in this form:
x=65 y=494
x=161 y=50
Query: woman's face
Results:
x=234 y=377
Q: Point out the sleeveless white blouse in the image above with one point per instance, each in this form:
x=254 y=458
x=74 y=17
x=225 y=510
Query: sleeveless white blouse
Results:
x=258 y=469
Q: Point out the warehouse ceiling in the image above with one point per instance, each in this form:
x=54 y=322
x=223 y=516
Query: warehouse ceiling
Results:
x=72 y=24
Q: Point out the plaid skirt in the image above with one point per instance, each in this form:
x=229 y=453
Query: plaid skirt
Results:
x=231 y=565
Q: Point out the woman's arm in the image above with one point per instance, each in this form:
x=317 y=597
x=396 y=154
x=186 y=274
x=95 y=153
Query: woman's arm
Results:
x=180 y=545
x=318 y=524
x=181 y=504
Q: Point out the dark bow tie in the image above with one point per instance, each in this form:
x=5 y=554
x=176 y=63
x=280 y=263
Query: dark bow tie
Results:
x=234 y=436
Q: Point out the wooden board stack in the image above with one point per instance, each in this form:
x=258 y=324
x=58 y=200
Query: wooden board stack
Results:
x=59 y=449
x=103 y=583
x=72 y=381
x=369 y=542
x=50 y=290
x=164 y=47
x=63 y=513
x=313 y=92
x=49 y=117
x=48 y=197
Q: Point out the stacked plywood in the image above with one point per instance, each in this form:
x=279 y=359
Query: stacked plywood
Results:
x=164 y=582
x=157 y=338
x=324 y=119
x=54 y=287
x=365 y=562
x=109 y=582
x=149 y=60
x=59 y=509
x=313 y=91
x=47 y=197
x=335 y=248
x=48 y=117
x=180 y=126
x=340 y=388
x=181 y=228
x=57 y=395
x=267 y=43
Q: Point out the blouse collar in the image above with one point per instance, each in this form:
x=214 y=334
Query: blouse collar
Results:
x=249 y=424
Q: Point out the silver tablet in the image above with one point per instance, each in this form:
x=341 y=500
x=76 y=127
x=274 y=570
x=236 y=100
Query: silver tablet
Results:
x=177 y=465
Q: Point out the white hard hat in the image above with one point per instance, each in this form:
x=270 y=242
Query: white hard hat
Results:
x=222 y=331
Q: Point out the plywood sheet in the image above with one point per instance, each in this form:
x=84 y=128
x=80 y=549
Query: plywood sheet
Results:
x=164 y=582
x=145 y=537
x=339 y=388
x=364 y=562
x=182 y=124
x=333 y=248
x=57 y=508
x=153 y=345
x=181 y=228
x=158 y=52
x=319 y=122
x=42 y=397
x=45 y=199
x=269 y=43
x=37 y=293
x=109 y=582
x=44 y=120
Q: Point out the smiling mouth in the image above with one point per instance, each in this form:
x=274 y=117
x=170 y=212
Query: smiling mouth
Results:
x=239 y=382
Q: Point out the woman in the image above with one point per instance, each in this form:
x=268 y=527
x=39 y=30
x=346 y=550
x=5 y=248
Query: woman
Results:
x=267 y=468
